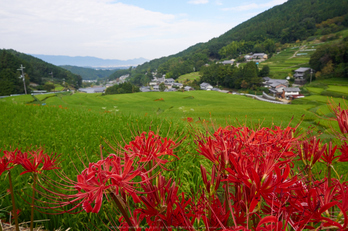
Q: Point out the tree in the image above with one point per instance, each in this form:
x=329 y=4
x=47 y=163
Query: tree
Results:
x=162 y=87
x=48 y=86
x=255 y=82
x=122 y=88
x=244 y=84
x=264 y=71
x=250 y=71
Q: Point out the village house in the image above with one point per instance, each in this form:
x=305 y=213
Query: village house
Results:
x=260 y=56
x=169 y=81
x=170 y=90
x=291 y=93
x=157 y=81
x=300 y=75
x=205 y=86
x=188 y=88
x=145 y=89
x=274 y=83
x=247 y=57
x=228 y=62
x=276 y=86
x=178 y=85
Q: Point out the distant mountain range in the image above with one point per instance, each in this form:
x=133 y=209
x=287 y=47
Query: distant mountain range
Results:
x=91 y=73
x=88 y=61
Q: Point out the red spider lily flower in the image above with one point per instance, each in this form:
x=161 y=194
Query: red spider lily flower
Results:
x=36 y=161
x=106 y=177
x=274 y=182
x=219 y=216
x=342 y=118
x=11 y=155
x=164 y=207
x=237 y=143
x=151 y=148
x=8 y=160
x=311 y=151
x=328 y=156
x=274 y=224
x=214 y=183
x=4 y=165
x=50 y=162
x=238 y=228
x=344 y=150
x=310 y=208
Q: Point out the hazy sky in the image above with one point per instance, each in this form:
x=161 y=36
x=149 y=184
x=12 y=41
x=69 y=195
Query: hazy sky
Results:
x=121 y=29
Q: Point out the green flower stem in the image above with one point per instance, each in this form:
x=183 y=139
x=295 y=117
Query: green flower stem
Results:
x=329 y=175
x=13 y=201
x=33 y=203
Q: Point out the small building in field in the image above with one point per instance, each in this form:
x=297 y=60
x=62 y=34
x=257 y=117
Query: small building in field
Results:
x=156 y=88
x=300 y=73
x=206 y=86
x=145 y=89
x=188 y=88
x=291 y=91
x=169 y=81
x=260 y=56
x=274 y=83
x=178 y=85
x=228 y=62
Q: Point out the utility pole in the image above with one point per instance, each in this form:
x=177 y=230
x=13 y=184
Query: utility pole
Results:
x=311 y=75
x=23 y=77
x=51 y=75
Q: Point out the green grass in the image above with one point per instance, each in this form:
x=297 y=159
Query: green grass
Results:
x=190 y=76
x=78 y=123
x=315 y=90
x=340 y=89
x=58 y=87
x=202 y=105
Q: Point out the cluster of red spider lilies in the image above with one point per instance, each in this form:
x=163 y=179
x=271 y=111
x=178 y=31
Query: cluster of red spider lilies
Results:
x=259 y=179
x=34 y=162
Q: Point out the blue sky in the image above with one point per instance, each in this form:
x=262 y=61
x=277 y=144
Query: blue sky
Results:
x=119 y=29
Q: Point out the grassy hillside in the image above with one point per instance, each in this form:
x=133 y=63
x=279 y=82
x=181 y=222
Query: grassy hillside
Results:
x=36 y=71
x=283 y=63
x=191 y=76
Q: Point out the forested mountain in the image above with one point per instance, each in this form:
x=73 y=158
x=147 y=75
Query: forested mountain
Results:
x=289 y=22
x=90 y=73
x=36 y=71
x=88 y=61
x=331 y=60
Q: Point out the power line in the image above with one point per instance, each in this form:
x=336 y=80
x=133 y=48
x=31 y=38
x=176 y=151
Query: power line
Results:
x=23 y=77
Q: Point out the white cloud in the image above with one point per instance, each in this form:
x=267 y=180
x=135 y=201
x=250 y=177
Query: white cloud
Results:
x=98 y=28
x=218 y=2
x=255 y=6
x=198 y=2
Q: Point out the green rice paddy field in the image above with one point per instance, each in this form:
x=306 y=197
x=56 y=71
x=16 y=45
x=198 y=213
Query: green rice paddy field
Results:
x=290 y=59
x=79 y=123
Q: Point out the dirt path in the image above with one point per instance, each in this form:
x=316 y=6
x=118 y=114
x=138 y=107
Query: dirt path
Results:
x=304 y=46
